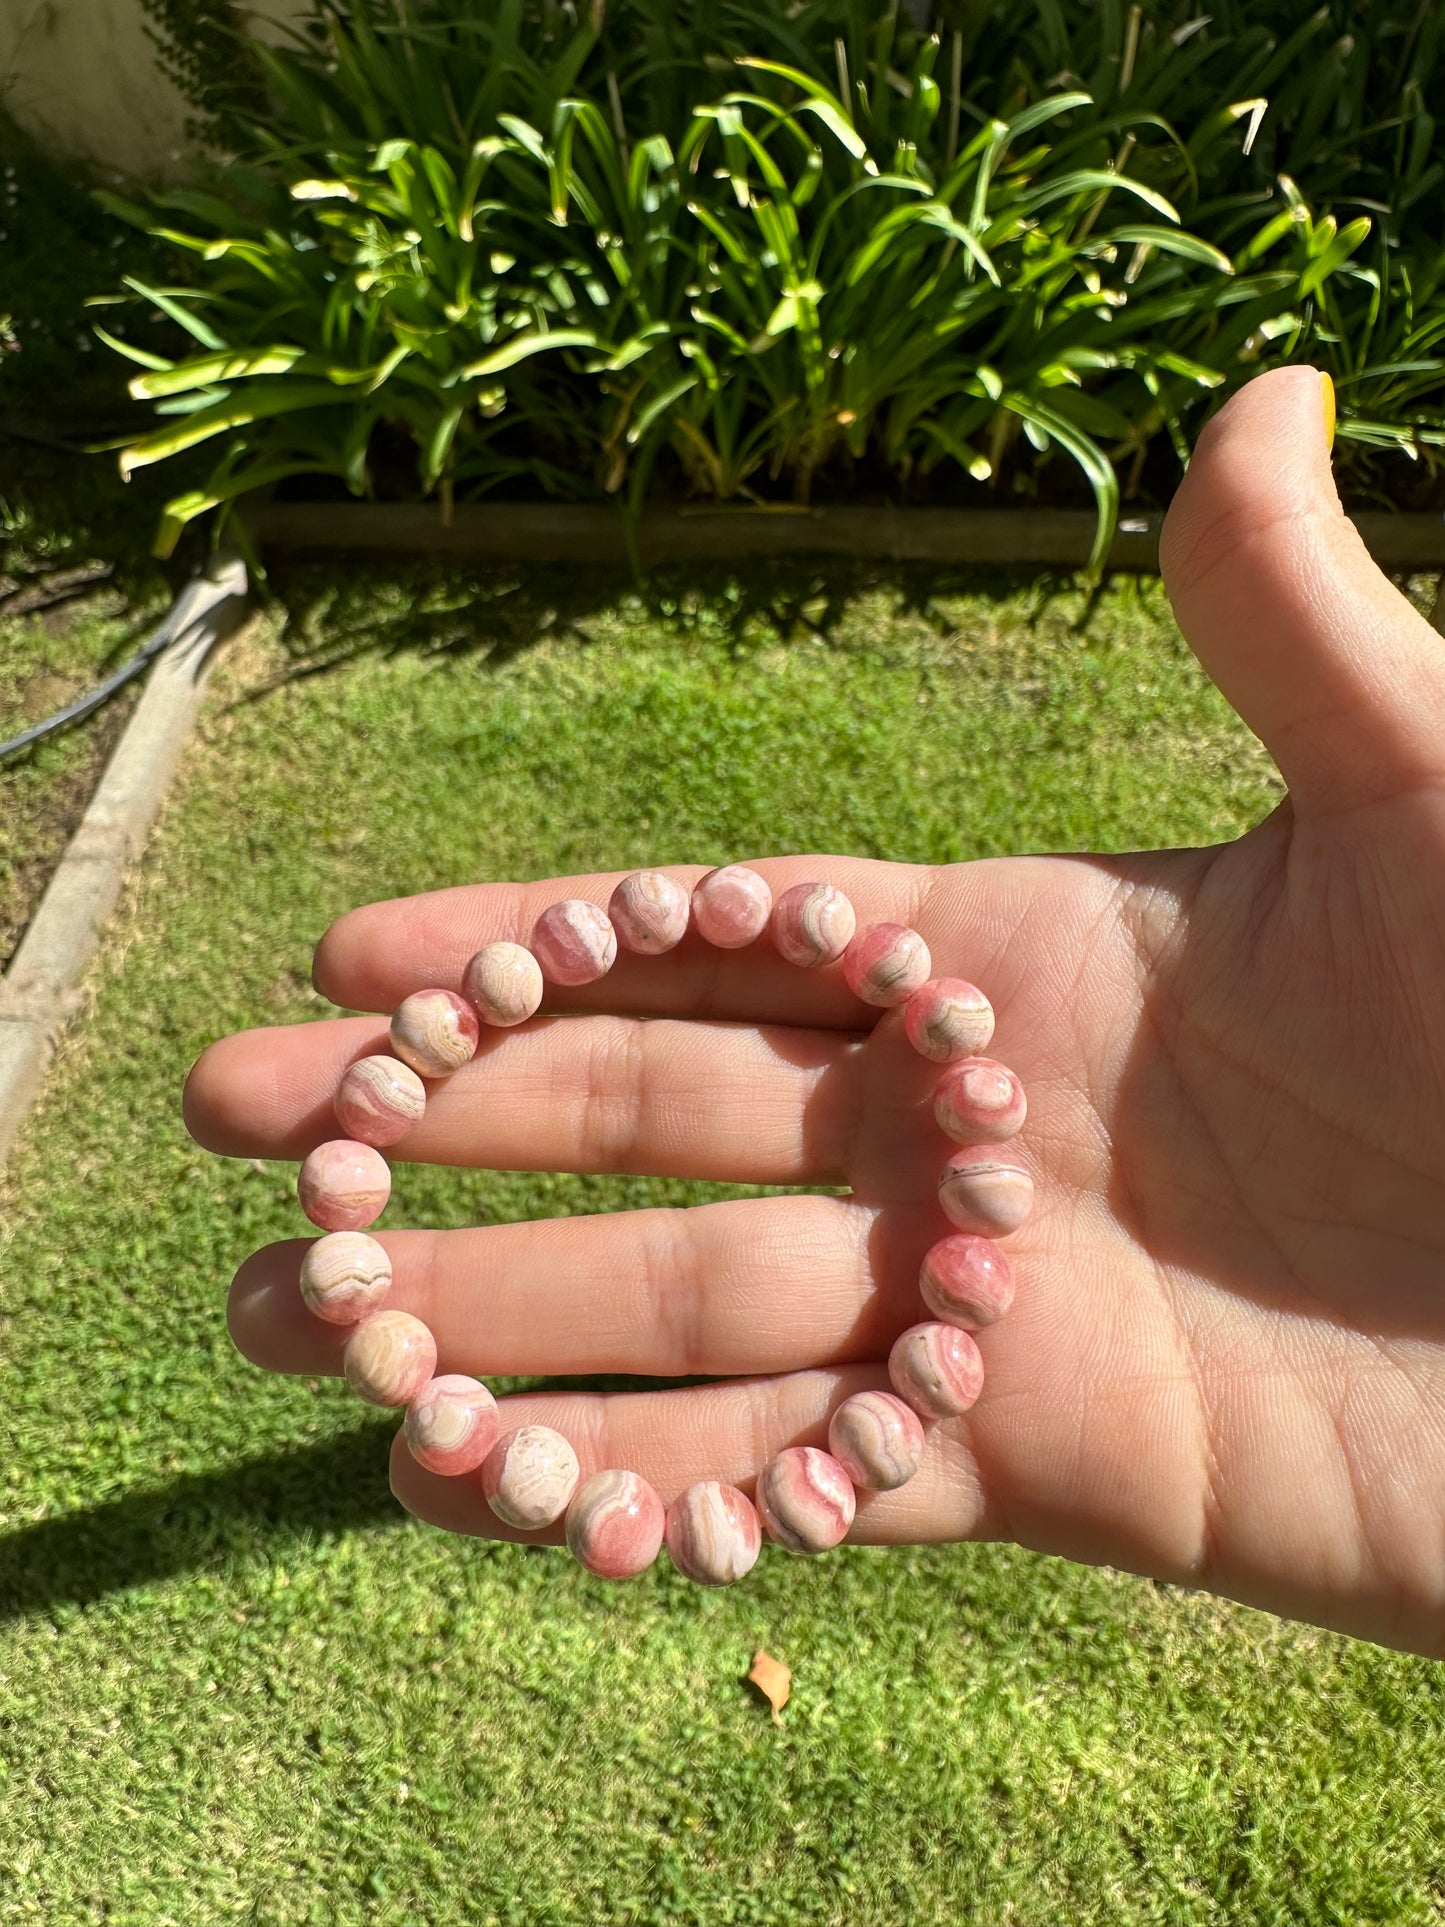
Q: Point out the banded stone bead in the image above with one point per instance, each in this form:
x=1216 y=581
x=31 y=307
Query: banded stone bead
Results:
x=529 y=1477
x=886 y=963
x=985 y=1191
x=813 y=924
x=731 y=907
x=389 y=1357
x=345 y=1276
x=574 y=942
x=379 y=1100
x=649 y=912
x=504 y=984
x=452 y=1424
x=948 y=1018
x=877 y=1439
x=806 y=1499
x=435 y=1031
x=713 y=1535
x=979 y=1102
x=344 y=1185
x=937 y=1369
x=615 y=1525
x=966 y=1281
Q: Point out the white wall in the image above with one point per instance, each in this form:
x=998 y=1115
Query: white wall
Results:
x=83 y=76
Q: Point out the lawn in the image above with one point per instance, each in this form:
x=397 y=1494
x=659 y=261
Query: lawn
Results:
x=236 y=1683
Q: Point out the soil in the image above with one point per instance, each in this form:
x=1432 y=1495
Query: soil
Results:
x=41 y=803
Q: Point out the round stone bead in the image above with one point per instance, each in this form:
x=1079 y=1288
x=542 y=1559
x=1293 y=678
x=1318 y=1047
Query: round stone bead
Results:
x=379 y=1100
x=886 y=963
x=574 y=942
x=948 y=1018
x=877 y=1439
x=436 y=1032
x=806 y=1499
x=979 y=1102
x=529 y=1477
x=345 y=1277
x=967 y=1282
x=731 y=907
x=937 y=1369
x=813 y=924
x=452 y=1424
x=344 y=1185
x=984 y=1191
x=649 y=912
x=615 y=1525
x=504 y=983
x=389 y=1357
x=713 y=1534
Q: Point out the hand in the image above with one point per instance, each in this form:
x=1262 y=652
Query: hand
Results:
x=1226 y=1363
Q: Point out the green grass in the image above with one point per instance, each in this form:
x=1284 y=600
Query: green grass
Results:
x=236 y=1684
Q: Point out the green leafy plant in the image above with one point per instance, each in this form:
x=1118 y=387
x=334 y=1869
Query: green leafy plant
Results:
x=742 y=253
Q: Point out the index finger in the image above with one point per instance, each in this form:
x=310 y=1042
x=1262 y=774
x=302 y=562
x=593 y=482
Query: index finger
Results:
x=373 y=957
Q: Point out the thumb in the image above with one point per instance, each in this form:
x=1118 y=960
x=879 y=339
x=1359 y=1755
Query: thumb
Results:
x=1278 y=597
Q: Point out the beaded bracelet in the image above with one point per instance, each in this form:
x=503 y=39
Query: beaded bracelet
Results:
x=615 y=1523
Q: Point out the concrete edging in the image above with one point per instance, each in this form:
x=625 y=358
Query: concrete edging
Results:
x=41 y=988
x=506 y=532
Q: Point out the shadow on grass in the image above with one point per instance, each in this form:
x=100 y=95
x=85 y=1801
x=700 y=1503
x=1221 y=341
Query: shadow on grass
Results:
x=320 y=1491
x=323 y=1490
x=336 y=609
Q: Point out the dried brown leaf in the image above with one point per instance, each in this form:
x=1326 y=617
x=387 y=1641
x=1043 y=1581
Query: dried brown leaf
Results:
x=773 y=1680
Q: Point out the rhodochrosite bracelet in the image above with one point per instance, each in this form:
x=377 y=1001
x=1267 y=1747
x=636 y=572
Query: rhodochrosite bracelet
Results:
x=615 y=1522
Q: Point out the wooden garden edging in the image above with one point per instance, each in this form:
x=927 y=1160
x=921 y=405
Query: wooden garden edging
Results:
x=506 y=532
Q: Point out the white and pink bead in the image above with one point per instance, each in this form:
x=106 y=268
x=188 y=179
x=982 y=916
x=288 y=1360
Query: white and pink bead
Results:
x=614 y=1522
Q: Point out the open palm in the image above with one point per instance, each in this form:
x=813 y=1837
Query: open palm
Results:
x=1226 y=1361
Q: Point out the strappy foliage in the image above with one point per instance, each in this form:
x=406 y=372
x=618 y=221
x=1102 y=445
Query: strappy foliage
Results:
x=736 y=251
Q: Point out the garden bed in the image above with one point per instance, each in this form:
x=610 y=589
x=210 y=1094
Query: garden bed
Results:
x=48 y=656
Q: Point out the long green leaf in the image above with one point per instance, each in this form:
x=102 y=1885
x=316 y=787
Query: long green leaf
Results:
x=521 y=347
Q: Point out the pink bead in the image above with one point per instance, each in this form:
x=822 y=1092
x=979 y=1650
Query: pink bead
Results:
x=937 y=1369
x=812 y=924
x=877 y=1439
x=345 y=1277
x=389 y=1358
x=504 y=984
x=967 y=1282
x=615 y=1525
x=979 y=1102
x=649 y=912
x=452 y=1424
x=713 y=1534
x=574 y=942
x=806 y=1499
x=529 y=1477
x=731 y=907
x=343 y=1185
x=436 y=1032
x=886 y=963
x=985 y=1191
x=379 y=1100
x=948 y=1018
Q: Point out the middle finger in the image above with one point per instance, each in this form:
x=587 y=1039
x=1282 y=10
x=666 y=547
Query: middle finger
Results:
x=664 y=1098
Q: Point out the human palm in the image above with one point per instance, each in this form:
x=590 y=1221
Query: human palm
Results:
x=1225 y=1364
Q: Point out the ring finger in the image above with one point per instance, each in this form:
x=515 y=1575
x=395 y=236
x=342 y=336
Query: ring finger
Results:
x=751 y=1285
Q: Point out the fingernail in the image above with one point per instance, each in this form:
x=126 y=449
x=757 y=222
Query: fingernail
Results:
x=1327 y=402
